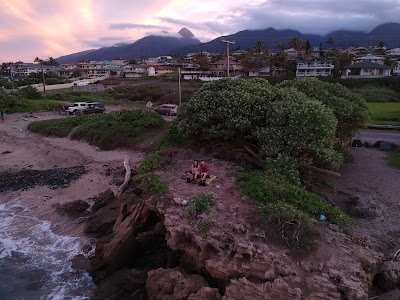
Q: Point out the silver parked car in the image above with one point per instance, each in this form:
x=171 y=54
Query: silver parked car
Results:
x=167 y=109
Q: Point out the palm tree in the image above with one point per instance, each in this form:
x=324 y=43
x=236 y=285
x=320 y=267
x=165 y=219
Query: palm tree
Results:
x=330 y=41
x=308 y=47
x=281 y=46
x=296 y=43
x=259 y=47
x=202 y=61
x=41 y=61
x=144 y=58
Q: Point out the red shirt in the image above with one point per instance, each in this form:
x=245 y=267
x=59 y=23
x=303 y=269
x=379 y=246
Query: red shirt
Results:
x=204 y=168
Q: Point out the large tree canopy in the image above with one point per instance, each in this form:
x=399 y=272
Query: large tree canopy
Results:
x=350 y=108
x=282 y=123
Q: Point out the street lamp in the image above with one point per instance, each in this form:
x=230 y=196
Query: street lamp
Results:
x=12 y=78
x=222 y=40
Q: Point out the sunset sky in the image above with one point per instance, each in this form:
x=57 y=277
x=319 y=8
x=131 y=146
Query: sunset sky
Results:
x=30 y=28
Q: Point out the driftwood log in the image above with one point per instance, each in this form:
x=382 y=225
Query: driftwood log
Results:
x=127 y=177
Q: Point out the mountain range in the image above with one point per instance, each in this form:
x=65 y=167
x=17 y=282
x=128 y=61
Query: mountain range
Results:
x=185 y=42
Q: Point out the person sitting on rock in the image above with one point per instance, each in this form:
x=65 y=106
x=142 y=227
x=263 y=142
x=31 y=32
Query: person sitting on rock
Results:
x=194 y=173
x=204 y=171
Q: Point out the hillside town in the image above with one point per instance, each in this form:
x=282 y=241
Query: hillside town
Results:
x=297 y=59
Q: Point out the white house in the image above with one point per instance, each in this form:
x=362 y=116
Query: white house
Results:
x=396 y=68
x=371 y=58
x=393 y=52
x=267 y=71
x=366 y=69
x=136 y=71
x=314 y=68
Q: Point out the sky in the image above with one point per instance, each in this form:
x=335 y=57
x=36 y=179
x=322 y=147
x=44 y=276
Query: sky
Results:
x=44 y=28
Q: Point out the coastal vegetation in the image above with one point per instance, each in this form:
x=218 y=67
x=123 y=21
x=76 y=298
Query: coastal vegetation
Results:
x=385 y=113
x=394 y=158
x=106 y=131
x=287 y=128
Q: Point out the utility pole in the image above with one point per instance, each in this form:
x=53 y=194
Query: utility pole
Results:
x=12 y=78
x=179 y=86
x=44 y=80
x=222 y=40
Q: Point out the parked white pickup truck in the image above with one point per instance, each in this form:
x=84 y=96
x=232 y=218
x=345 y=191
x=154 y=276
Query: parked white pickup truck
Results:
x=78 y=107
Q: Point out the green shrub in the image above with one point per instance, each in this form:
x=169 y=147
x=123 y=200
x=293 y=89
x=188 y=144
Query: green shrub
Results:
x=394 y=158
x=294 y=226
x=202 y=203
x=59 y=127
x=107 y=131
x=277 y=121
x=203 y=227
x=30 y=92
x=149 y=182
x=265 y=189
x=349 y=108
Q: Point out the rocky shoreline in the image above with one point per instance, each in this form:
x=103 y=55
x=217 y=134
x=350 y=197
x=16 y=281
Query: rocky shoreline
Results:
x=148 y=250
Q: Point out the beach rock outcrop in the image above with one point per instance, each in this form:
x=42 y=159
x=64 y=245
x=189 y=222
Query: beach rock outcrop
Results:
x=104 y=213
x=176 y=284
x=76 y=207
x=123 y=284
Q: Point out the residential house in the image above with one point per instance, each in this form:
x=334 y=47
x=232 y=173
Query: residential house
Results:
x=26 y=69
x=314 y=68
x=137 y=71
x=161 y=70
x=366 y=69
x=267 y=71
x=191 y=71
x=95 y=69
x=291 y=53
x=220 y=68
x=396 y=68
x=371 y=58
x=393 y=52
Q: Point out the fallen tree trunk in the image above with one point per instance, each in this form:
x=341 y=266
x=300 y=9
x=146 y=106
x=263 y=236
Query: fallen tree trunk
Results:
x=324 y=171
x=127 y=177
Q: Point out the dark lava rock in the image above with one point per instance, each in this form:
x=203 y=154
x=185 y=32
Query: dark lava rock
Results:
x=123 y=284
x=81 y=263
x=102 y=200
x=385 y=146
x=357 y=143
x=27 y=179
x=76 y=207
x=104 y=213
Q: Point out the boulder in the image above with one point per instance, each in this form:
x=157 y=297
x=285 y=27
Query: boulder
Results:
x=76 y=207
x=81 y=263
x=357 y=143
x=206 y=293
x=102 y=200
x=385 y=146
x=173 y=284
x=244 y=289
x=389 y=276
x=123 y=284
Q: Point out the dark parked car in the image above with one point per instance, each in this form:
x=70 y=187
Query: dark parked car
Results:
x=94 y=108
x=167 y=109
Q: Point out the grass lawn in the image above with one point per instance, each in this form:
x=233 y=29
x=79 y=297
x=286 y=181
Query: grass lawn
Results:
x=35 y=105
x=385 y=113
x=394 y=158
x=378 y=94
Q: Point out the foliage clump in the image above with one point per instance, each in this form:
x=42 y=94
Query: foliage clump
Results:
x=290 y=207
x=107 y=131
x=202 y=203
x=350 y=109
x=145 y=177
x=277 y=121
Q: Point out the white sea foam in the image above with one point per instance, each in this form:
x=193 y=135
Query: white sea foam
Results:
x=29 y=244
